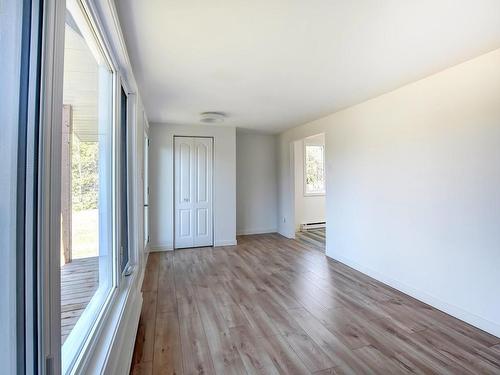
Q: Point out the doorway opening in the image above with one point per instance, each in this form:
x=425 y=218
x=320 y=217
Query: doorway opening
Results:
x=310 y=194
x=193 y=192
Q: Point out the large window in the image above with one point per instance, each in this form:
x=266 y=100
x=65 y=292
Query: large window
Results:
x=314 y=169
x=88 y=185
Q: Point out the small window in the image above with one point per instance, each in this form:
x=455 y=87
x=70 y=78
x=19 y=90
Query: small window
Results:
x=314 y=170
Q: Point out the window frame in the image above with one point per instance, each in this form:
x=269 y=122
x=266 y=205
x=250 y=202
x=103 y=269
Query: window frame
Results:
x=80 y=355
x=131 y=169
x=317 y=193
x=124 y=180
x=21 y=30
x=145 y=184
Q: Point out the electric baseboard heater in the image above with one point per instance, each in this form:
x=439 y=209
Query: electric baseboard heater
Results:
x=308 y=226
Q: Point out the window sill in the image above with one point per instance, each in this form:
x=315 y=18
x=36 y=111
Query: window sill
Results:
x=112 y=350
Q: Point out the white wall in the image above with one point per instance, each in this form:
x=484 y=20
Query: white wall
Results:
x=413 y=188
x=311 y=208
x=256 y=183
x=161 y=182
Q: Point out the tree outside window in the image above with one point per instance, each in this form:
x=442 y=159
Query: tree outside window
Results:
x=314 y=165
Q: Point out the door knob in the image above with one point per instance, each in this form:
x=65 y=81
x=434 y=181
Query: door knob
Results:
x=186 y=199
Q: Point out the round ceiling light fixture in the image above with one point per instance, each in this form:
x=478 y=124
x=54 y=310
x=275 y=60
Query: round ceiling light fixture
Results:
x=212 y=117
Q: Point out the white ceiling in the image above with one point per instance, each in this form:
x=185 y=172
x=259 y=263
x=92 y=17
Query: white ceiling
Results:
x=275 y=64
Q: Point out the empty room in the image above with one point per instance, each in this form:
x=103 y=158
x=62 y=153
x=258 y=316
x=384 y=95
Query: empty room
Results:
x=233 y=187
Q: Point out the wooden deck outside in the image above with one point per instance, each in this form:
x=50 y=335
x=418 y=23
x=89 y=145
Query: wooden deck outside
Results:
x=79 y=281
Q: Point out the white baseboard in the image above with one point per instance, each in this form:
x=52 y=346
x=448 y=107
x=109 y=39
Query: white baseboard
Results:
x=225 y=243
x=157 y=248
x=244 y=232
x=455 y=311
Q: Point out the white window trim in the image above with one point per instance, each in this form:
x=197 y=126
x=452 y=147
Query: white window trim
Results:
x=304 y=163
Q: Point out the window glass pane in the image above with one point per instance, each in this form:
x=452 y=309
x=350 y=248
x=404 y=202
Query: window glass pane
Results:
x=87 y=255
x=314 y=164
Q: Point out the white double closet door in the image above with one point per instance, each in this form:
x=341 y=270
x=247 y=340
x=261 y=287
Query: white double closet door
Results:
x=193 y=172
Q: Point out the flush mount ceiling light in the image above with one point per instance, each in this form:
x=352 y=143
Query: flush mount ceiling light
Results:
x=212 y=117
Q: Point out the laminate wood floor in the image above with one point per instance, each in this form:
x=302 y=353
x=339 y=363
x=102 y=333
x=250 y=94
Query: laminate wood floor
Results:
x=314 y=238
x=275 y=306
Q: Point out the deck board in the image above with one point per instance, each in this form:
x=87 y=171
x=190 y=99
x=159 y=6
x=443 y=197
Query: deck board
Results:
x=79 y=281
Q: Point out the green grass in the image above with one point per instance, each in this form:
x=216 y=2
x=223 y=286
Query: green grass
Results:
x=85 y=233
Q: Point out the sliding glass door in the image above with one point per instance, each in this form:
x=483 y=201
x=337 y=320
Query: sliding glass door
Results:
x=64 y=200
